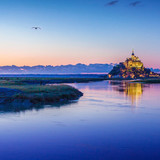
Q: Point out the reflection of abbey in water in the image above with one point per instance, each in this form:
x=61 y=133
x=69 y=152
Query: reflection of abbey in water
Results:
x=134 y=91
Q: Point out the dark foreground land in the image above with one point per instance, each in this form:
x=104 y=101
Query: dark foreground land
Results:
x=31 y=91
x=36 y=94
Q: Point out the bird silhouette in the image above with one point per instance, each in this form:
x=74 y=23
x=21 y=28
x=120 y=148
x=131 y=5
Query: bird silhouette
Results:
x=36 y=28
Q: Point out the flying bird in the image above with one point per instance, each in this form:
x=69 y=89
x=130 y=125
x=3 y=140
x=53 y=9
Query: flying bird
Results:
x=134 y=4
x=111 y=3
x=36 y=28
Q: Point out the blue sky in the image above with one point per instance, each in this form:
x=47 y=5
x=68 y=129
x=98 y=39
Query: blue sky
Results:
x=78 y=31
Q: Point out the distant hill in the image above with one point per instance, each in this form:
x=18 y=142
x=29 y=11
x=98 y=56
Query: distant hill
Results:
x=62 y=69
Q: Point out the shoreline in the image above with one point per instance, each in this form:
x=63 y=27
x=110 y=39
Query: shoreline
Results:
x=46 y=80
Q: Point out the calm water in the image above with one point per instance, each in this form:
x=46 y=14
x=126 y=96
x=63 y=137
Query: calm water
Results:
x=111 y=121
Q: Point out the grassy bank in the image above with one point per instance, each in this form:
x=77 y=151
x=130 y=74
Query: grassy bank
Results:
x=37 y=94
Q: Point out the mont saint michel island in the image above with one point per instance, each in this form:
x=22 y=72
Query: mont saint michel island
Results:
x=132 y=68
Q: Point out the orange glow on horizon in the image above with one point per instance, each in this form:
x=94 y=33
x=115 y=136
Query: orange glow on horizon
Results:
x=63 y=58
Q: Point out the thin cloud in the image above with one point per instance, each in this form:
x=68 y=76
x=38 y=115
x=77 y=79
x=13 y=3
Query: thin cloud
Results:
x=134 y=4
x=111 y=3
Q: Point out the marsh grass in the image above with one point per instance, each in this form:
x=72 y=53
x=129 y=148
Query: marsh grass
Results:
x=43 y=80
x=41 y=93
x=40 y=88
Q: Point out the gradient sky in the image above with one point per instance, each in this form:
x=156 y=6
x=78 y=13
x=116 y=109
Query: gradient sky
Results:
x=78 y=31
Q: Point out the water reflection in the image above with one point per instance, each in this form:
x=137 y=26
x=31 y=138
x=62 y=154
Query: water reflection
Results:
x=133 y=91
x=4 y=108
x=130 y=90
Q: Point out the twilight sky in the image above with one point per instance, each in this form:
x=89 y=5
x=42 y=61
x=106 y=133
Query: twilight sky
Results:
x=79 y=31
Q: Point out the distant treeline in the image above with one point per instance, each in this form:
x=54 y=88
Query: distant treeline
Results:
x=62 y=69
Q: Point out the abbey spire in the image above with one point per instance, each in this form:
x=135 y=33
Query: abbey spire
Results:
x=133 y=52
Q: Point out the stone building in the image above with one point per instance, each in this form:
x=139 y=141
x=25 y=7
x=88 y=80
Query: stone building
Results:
x=133 y=62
